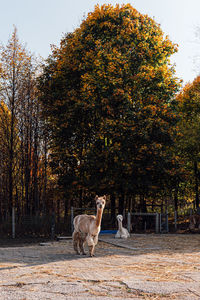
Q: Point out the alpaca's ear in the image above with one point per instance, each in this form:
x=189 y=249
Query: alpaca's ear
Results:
x=104 y=197
x=96 y=197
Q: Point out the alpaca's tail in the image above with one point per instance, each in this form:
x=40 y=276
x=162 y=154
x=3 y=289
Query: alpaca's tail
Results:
x=75 y=238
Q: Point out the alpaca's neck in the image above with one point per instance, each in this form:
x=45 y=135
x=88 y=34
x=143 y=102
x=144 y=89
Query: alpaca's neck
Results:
x=99 y=217
x=120 y=225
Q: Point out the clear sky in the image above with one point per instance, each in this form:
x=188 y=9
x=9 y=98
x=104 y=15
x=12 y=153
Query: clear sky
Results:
x=41 y=23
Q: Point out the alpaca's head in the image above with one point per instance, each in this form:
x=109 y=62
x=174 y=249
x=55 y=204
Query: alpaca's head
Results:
x=100 y=202
x=119 y=218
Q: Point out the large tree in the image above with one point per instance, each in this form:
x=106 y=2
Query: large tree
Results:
x=188 y=142
x=106 y=95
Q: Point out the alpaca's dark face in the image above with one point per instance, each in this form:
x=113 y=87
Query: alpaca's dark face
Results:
x=100 y=202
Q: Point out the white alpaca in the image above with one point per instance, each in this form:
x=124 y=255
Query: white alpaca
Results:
x=87 y=228
x=122 y=232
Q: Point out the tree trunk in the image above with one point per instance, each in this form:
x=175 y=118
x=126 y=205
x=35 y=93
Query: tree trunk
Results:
x=176 y=198
x=44 y=198
x=196 y=184
x=143 y=206
x=35 y=166
x=121 y=203
x=11 y=154
x=81 y=198
x=112 y=199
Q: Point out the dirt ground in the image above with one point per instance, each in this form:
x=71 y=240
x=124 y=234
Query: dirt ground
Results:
x=141 y=267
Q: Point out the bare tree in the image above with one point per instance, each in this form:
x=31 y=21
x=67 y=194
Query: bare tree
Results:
x=20 y=127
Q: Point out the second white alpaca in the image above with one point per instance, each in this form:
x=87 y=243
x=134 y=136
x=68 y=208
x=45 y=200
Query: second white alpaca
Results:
x=122 y=232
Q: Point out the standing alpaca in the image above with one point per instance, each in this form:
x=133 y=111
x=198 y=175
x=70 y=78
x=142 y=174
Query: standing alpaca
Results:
x=87 y=228
x=122 y=232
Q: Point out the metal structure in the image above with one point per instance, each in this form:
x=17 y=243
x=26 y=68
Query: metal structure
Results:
x=155 y=216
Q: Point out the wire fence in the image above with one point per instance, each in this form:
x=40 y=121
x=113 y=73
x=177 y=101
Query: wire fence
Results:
x=34 y=226
x=136 y=222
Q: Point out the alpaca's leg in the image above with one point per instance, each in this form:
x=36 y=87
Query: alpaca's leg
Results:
x=95 y=241
x=81 y=247
x=81 y=244
x=76 y=238
x=91 y=245
x=91 y=250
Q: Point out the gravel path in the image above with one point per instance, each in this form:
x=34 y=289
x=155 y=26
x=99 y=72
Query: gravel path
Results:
x=141 y=267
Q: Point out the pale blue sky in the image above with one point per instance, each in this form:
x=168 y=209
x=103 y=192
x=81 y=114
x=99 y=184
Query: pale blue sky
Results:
x=43 y=22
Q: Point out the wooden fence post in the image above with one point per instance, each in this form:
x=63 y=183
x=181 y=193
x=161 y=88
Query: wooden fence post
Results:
x=157 y=223
x=72 y=219
x=53 y=224
x=167 y=223
x=175 y=220
x=129 y=222
x=160 y=222
x=13 y=222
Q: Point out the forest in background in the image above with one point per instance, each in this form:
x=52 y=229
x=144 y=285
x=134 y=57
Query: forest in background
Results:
x=104 y=114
